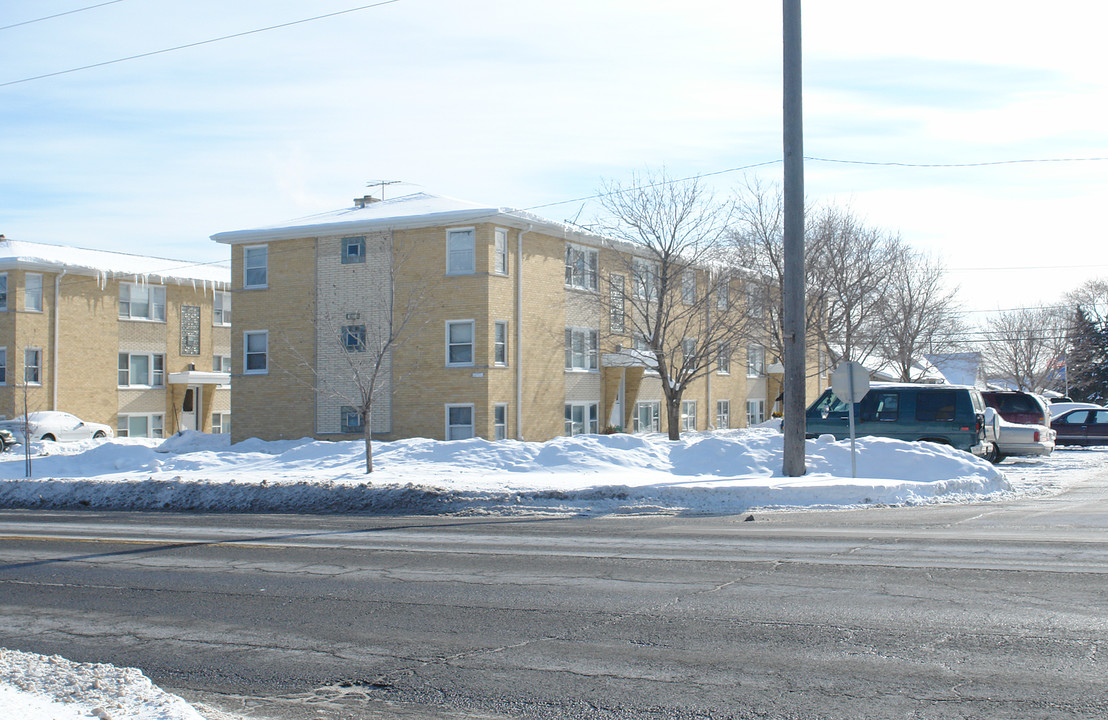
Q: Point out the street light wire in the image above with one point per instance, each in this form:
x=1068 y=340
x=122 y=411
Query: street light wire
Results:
x=58 y=15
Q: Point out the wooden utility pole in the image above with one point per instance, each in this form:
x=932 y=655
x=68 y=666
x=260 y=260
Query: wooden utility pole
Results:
x=795 y=346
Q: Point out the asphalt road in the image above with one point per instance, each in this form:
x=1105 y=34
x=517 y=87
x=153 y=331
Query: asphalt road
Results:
x=961 y=611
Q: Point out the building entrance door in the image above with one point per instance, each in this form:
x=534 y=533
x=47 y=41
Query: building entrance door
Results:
x=190 y=408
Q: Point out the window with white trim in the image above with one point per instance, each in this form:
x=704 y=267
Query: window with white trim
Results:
x=221 y=423
x=755 y=412
x=755 y=361
x=353 y=338
x=500 y=251
x=648 y=417
x=723 y=414
x=32 y=292
x=723 y=359
x=353 y=250
x=461 y=252
x=755 y=302
x=221 y=363
x=3 y=291
x=723 y=292
x=582 y=418
x=459 y=422
x=582 y=267
x=255 y=349
x=582 y=349
x=500 y=421
x=32 y=366
x=644 y=279
x=500 y=343
x=141 y=370
x=141 y=302
x=145 y=425
x=459 y=343
x=221 y=308
x=688 y=415
x=688 y=287
x=255 y=267
x=351 y=420
x=688 y=351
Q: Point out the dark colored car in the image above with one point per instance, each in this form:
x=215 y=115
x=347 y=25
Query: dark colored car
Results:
x=949 y=414
x=1081 y=427
x=1015 y=406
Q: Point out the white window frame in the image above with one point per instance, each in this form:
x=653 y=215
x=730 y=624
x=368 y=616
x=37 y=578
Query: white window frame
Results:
x=688 y=351
x=155 y=424
x=755 y=412
x=655 y=409
x=723 y=358
x=458 y=431
x=755 y=361
x=263 y=266
x=155 y=302
x=461 y=251
x=354 y=338
x=472 y=343
x=353 y=242
x=32 y=295
x=155 y=376
x=688 y=287
x=723 y=414
x=500 y=421
x=588 y=339
x=500 y=343
x=221 y=308
x=500 y=251
x=345 y=427
x=582 y=267
x=221 y=423
x=3 y=292
x=723 y=292
x=688 y=415
x=644 y=279
x=246 y=352
x=590 y=418
x=36 y=353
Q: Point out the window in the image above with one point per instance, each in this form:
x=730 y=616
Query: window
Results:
x=32 y=366
x=3 y=291
x=461 y=258
x=688 y=287
x=500 y=343
x=3 y=366
x=32 y=292
x=255 y=266
x=145 y=425
x=642 y=344
x=934 y=405
x=644 y=279
x=459 y=343
x=582 y=349
x=353 y=338
x=688 y=415
x=755 y=361
x=755 y=302
x=141 y=302
x=755 y=412
x=221 y=308
x=221 y=363
x=688 y=351
x=500 y=251
x=500 y=422
x=723 y=359
x=879 y=406
x=352 y=420
x=581 y=418
x=723 y=414
x=141 y=369
x=616 y=315
x=581 y=267
x=255 y=345
x=221 y=423
x=353 y=250
x=647 y=417
x=459 y=422
x=723 y=293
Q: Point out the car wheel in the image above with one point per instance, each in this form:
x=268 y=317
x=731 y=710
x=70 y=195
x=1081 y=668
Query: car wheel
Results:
x=47 y=436
x=100 y=435
x=995 y=456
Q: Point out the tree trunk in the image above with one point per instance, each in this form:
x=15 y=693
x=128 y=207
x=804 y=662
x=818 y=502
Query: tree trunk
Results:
x=673 y=416
x=367 y=434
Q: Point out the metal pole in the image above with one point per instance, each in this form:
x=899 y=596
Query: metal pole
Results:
x=793 y=301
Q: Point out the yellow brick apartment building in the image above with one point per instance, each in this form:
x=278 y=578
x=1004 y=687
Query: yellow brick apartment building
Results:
x=141 y=344
x=510 y=340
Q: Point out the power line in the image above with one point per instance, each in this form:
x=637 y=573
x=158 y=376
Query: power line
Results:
x=197 y=44
x=986 y=163
x=58 y=15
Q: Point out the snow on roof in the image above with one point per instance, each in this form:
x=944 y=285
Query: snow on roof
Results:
x=415 y=210
x=106 y=264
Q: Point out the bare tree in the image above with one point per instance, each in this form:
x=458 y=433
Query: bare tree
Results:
x=918 y=315
x=681 y=304
x=1022 y=346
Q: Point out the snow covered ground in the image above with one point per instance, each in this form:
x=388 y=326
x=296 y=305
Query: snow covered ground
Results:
x=719 y=472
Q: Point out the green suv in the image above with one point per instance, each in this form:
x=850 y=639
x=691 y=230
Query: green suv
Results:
x=949 y=414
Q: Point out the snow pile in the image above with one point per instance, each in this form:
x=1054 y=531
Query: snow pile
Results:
x=36 y=687
x=714 y=472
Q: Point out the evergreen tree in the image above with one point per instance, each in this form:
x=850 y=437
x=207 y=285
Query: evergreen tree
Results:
x=1087 y=361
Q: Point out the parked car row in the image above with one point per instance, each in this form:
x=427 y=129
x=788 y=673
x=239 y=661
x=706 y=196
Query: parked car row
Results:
x=50 y=425
x=992 y=425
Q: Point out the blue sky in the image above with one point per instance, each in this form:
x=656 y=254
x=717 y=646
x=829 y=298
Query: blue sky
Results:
x=525 y=104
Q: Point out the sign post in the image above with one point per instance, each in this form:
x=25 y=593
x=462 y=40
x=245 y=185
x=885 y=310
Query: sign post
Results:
x=850 y=383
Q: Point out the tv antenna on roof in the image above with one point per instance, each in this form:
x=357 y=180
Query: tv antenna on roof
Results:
x=382 y=183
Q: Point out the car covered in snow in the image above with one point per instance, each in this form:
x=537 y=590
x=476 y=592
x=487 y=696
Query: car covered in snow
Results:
x=55 y=425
